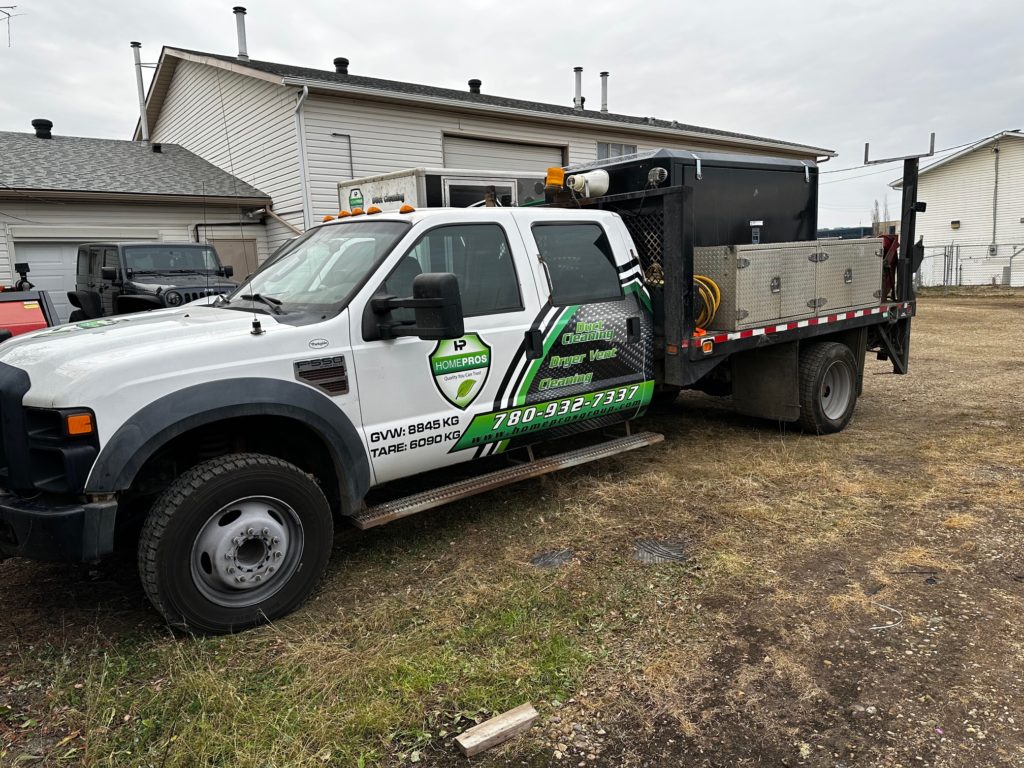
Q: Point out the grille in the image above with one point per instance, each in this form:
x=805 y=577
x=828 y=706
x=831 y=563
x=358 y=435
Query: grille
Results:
x=327 y=374
x=193 y=295
x=647 y=230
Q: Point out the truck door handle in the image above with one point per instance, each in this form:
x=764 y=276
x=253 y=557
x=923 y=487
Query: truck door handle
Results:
x=632 y=330
x=534 y=344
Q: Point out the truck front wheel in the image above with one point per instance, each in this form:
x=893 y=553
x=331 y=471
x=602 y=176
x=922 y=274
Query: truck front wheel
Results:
x=828 y=387
x=235 y=542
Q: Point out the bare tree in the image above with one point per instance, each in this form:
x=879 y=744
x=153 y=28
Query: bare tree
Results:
x=876 y=219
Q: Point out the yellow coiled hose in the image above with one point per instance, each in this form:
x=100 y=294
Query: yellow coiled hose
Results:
x=710 y=297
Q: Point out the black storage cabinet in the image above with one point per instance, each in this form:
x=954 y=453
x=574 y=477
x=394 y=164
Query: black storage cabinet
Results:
x=733 y=191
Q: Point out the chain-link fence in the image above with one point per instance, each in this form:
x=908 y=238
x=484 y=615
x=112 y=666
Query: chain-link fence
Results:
x=963 y=264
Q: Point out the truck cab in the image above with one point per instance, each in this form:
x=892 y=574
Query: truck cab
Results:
x=233 y=437
x=118 y=278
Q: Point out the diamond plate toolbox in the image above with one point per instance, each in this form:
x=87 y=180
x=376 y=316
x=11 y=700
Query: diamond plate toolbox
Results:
x=849 y=274
x=765 y=284
x=760 y=284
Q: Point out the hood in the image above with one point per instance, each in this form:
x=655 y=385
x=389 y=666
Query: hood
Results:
x=72 y=363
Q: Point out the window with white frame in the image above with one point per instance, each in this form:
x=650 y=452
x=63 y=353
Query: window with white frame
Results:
x=606 y=150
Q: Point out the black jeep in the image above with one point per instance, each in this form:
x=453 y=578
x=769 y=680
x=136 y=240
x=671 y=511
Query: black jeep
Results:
x=118 y=278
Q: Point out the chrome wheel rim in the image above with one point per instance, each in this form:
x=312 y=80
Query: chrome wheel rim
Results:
x=247 y=551
x=836 y=390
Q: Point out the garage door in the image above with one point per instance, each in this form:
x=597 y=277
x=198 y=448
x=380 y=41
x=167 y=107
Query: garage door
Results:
x=53 y=268
x=484 y=155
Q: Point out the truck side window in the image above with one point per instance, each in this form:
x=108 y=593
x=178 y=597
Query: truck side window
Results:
x=580 y=263
x=478 y=255
x=83 y=261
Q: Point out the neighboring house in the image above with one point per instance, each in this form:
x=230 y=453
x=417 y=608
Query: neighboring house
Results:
x=296 y=132
x=973 y=228
x=59 y=191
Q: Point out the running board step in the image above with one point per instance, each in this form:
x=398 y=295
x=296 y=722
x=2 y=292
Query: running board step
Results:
x=436 y=497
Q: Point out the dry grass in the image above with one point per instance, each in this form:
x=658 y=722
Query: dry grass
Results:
x=804 y=553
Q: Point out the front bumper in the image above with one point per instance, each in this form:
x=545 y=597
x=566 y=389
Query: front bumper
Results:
x=43 y=530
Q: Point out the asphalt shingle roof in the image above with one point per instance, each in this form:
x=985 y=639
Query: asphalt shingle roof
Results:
x=396 y=86
x=76 y=164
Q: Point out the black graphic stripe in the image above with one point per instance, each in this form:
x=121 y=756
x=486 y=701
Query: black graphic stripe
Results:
x=544 y=334
x=520 y=353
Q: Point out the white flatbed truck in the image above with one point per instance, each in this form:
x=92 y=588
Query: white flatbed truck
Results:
x=228 y=441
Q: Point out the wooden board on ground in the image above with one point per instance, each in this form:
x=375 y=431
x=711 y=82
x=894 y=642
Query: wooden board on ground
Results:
x=496 y=730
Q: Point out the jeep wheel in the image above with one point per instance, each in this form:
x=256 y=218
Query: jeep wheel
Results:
x=235 y=542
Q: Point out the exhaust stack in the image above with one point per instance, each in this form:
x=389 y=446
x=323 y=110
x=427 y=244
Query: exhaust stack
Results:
x=604 y=92
x=143 y=119
x=243 y=54
x=577 y=102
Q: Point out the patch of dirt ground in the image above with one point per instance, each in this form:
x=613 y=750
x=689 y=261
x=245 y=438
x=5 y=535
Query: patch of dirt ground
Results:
x=849 y=600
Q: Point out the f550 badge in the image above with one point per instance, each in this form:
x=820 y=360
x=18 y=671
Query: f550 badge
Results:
x=460 y=367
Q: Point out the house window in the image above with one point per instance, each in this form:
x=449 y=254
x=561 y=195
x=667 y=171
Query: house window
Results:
x=580 y=263
x=606 y=150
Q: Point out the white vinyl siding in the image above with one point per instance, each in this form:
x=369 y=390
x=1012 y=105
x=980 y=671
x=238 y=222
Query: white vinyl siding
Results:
x=328 y=150
x=482 y=154
x=962 y=190
x=392 y=137
x=241 y=124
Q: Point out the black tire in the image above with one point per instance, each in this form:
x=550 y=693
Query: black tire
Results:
x=224 y=521
x=77 y=316
x=828 y=387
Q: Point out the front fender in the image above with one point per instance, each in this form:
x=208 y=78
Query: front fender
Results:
x=142 y=435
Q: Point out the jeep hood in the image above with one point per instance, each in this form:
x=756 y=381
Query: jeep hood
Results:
x=67 y=363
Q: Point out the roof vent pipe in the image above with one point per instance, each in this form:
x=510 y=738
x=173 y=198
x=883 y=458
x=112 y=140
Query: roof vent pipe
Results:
x=474 y=86
x=243 y=53
x=577 y=102
x=42 y=127
x=604 y=92
x=341 y=65
x=143 y=117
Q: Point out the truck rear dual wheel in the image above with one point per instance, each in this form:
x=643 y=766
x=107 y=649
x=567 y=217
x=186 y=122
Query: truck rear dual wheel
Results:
x=828 y=387
x=235 y=542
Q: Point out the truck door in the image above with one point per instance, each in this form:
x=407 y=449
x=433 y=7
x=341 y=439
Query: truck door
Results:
x=594 y=364
x=418 y=397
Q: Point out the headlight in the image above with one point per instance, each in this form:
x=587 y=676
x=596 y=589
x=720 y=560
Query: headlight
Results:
x=172 y=298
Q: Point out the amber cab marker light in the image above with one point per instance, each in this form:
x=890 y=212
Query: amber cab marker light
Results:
x=357 y=211
x=406 y=209
x=79 y=424
x=372 y=210
x=328 y=217
x=343 y=214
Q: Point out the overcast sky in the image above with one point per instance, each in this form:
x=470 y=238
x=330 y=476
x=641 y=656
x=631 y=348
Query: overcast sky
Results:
x=829 y=74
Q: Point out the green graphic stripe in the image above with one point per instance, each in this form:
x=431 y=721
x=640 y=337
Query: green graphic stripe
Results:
x=501 y=426
x=549 y=342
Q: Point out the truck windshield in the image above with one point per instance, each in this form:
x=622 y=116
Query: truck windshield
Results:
x=169 y=258
x=327 y=266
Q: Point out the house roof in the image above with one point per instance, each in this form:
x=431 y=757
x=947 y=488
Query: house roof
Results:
x=1015 y=134
x=75 y=166
x=288 y=74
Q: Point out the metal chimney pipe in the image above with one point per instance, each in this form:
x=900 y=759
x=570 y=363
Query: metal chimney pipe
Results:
x=577 y=102
x=243 y=54
x=604 y=92
x=143 y=119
